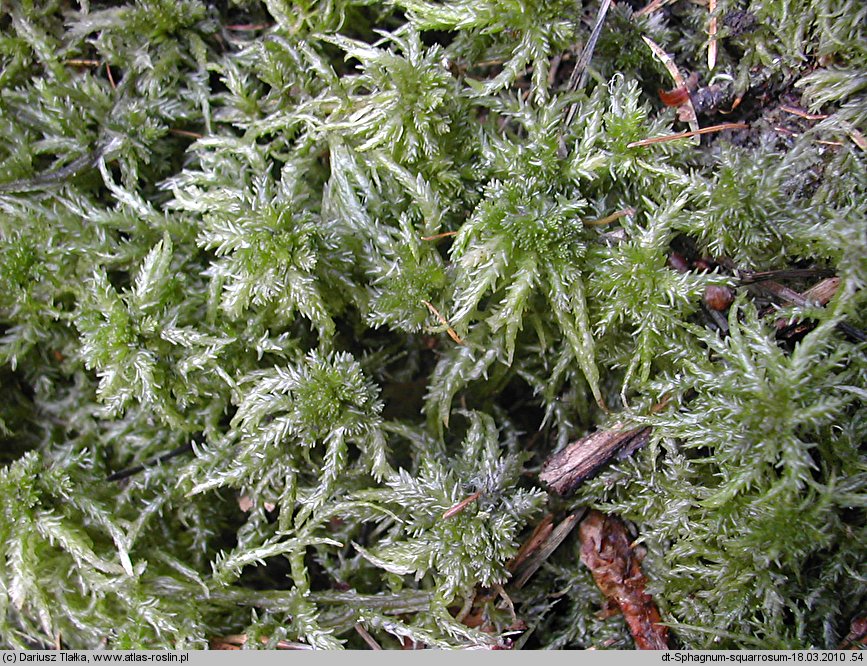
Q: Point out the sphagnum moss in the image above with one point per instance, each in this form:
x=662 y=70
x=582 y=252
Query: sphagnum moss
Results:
x=220 y=229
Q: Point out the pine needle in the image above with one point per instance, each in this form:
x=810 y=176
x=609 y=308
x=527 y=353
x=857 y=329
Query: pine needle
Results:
x=687 y=135
x=436 y=313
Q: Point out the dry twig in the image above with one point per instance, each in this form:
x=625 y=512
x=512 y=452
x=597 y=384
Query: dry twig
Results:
x=436 y=313
x=652 y=6
x=444 y=234
x=539 y=546
x=579 y=74
x=460 y=506
x=803 y=114
x=608 y=219
x=606 y=550
x=567 y=469
x=686 y=135
x=365 y=635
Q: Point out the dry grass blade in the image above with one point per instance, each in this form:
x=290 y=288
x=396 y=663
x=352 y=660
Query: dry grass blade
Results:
x=803 y=114
x=460 y=506
x=541 y=544
x=436 y=313
x=444 y=234
x=608 y=219
x=712 y=30
x=686 y=135
x=579 y=74
x=651 y=7
x=690 y=116
x=366 y=637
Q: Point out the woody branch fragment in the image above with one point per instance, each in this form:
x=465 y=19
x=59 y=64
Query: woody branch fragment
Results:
x=567 y=469
x=606 y=550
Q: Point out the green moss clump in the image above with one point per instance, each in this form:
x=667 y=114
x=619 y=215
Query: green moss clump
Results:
x=296 y=298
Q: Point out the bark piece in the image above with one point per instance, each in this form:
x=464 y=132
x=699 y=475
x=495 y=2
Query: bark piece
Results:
x=567 y=469
x=607 y=551
x=539 y=547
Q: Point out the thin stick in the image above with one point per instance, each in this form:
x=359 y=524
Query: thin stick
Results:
x=460 y=506
x=507 y=600
x=749 y=277
x=803 y=114
x=554 y=538
x=608 y=219
x=538 y=537
x=245 y=27
x=651 y=7
x=580 y=73
x=711 y=29
x=436 y=313
x=125 y=473
x=82 y=62
x=857 y=138
x=365 y=634
x=686 y=135
x=689 y=116
x=553 y=69
x=191 y=135
x=735 y=105
x=444 y=234
x=110 y=76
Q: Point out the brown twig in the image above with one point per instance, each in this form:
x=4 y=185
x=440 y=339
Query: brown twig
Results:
x=651 y=7
x=460 y=506
x=567 y=469
x=110 y=76
x=757 y=281
x=686 y=135
x=608 y=219
x=820 y=293
x=436 y=313
x=553 y=68
x=579 y=74
x=237 y=641
x=365 y=635
x=857 y=137
x=444 y=234
x=803 y=114
x=191 y=135
x=538 y=537
x=750 y=277
x=608 y=552
x=248 y=27
x=539 y=546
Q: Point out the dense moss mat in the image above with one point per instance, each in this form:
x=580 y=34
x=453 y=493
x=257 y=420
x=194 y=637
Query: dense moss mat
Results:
x=341 y=259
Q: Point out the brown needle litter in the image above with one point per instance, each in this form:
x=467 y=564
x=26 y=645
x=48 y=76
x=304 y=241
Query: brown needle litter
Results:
x=686 y=135
x=436 y=313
